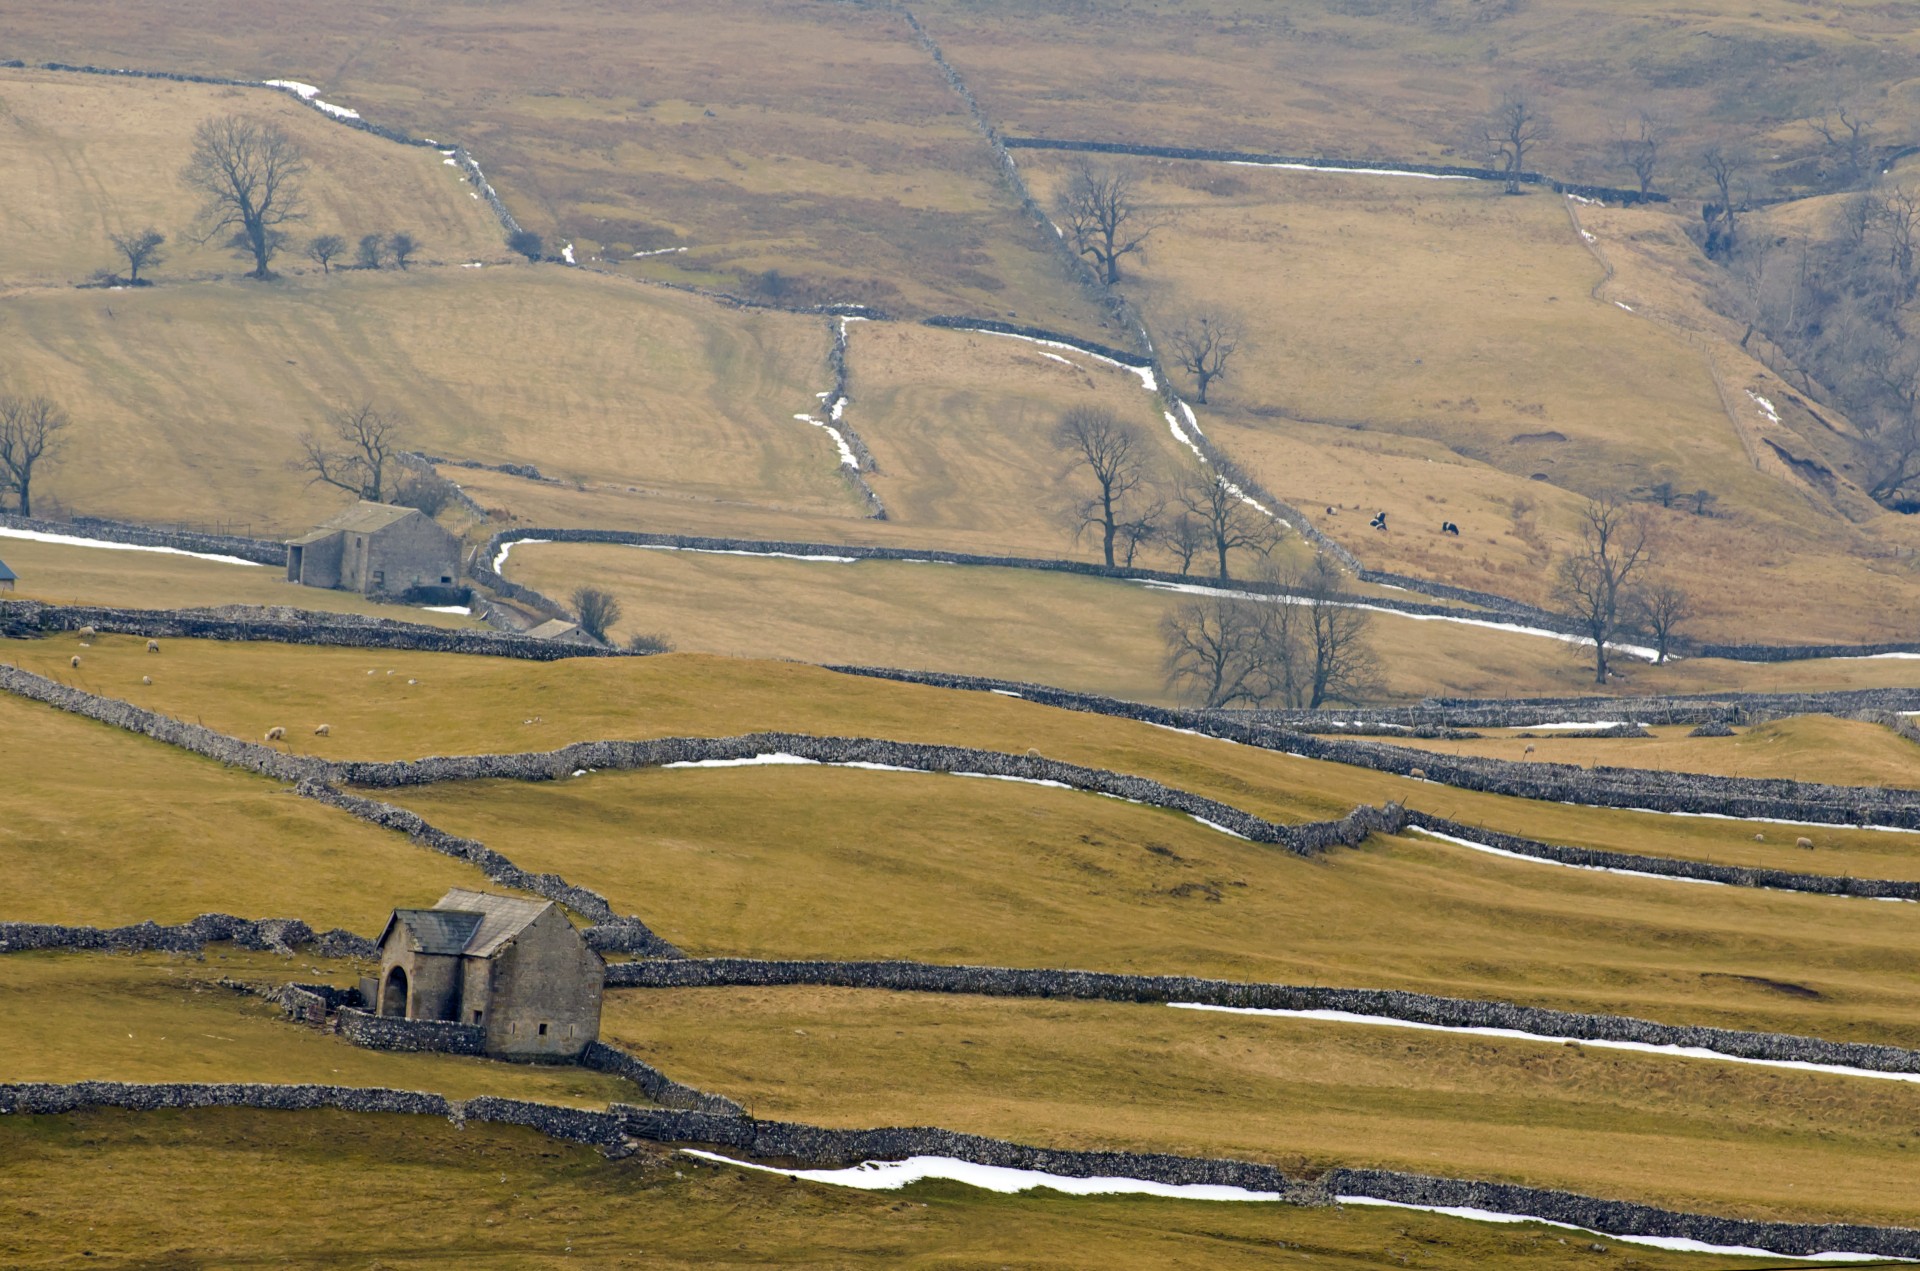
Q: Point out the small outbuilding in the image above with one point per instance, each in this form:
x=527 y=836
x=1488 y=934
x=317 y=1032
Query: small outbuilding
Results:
x=377 y=549
x=561 y=631
x=7 y=577
x=515 y=968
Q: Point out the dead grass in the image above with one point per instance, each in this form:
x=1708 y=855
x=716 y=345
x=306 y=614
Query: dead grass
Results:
x=1687 y=1134
x=99 y=827
x=90 y=155
x=1804 y=748
x=152 y=1017
x=212 y=1185
x=190 y=404
x=809 y=862
x=65 y=574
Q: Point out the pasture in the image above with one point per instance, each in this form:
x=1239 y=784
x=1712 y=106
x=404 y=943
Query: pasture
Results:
x=1299 y=1094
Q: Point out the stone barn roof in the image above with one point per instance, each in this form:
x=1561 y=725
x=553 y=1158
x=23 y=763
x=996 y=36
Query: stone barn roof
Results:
x=366 y=518
x=473 y=923
x=7 y=575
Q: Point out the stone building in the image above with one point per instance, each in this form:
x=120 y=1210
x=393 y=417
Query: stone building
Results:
x=377 y=549
x=516 y=968
x=7 y=577
x=559 y=629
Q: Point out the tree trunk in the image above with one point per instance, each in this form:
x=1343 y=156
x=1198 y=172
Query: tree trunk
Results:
x=26 y=499
x=1106 y=525
x=1220 y=545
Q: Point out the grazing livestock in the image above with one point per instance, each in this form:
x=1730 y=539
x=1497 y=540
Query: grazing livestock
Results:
x=276 y=733
x=153 y=646
x=1379 y=521
x=1448 y=527
x=74 y=661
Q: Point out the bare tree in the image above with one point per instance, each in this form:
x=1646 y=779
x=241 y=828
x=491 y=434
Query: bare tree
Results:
x=142 y=251
x=402 y=247
x=322 y=248
x=1515 y=126
x=1104 y=219
x=1229 y=650
x=649 y=642
x=251 y=173
x=354 y=453
x=428 y=491
x=1215 y=499
x=1143 y=526
x=1661 y=608
x=371 y=251
x=1342 y=665
x=1202 y=346
x=598 y=610
x=1895 y=217
x=1115 y=454
x=1847 y=130
x=1186 y=539
x=1640 y=151
x=30 y=429
x=527 y=243
x=1725 y=169
x=1593 y=582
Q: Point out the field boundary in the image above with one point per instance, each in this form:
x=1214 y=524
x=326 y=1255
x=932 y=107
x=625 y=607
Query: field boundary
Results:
x=612 y=1131
x=1396 y=1004
x=281 y=935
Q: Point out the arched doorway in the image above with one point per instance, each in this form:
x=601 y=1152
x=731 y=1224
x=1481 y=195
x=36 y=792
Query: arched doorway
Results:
x=393 y=994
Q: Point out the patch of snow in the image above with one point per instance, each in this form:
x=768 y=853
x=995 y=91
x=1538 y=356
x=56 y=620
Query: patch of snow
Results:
x=847 y=458
x=1675 y=1244
x=1541 y=860
x=735 y=551
x=1144 y=372
x=749 y=761
x=74 y=540
x=1868 y=657
x=839 y=408
x=474 y=264
x=1766 y=407
x=1588 y=236
x=451 y=163
x=1007 y=692
x=1589 y=202
x=1763 y=820
x=1595 y=723
x=306 y=92
x=566 y=253
x=1624 y=305
x=1191 y=421
x=1363 y=172
x=1061 y=360
x=1214 y=825
x=658 y=251
x=500 y=560
x=1180 y=436
x=890 y=1175
x=462 y=610
x=1514 y=1034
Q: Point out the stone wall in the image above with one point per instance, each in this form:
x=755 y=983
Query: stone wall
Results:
x=390 y=1032
x=1420 y=1008
x=26 y=619
x=282 y=935
x=262 y=551
x=655 y=1084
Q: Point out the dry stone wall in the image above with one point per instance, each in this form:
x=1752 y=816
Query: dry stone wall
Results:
x=262 y=551
x=387 y=1032
x=281 y=935
x=655 y=1084
x=1418 y=1008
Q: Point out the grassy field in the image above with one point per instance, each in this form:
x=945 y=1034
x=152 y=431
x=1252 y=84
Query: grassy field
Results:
x=155 y=1017
x=1008 y=623
x=449 y=704
x=99 y=827
x=210 y=1188
x=1685 y=1134
x=1804 y=748
x=89 y=155
x=1458 y=319
x=807 y=138
x=64 y=573
x=832 y=863
x=190 y=408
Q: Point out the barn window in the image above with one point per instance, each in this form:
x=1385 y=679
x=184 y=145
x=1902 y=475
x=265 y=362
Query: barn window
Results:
x=543 y=1030
x=476 y=1017
x=446 y=580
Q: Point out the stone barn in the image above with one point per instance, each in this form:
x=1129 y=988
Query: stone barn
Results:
x=515 y=968
x=7 y=577
x=377 y=549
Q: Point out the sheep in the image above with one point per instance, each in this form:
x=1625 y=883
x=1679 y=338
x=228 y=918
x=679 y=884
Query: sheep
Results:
x=323 y=730
x=1418 y=774
x=1033 y=754
x=1379 y=521
x=74 y=661
x=147 y=680
x=1759 y=838
x=276 y=733
x=86 y=633
x=153 y=646
x=1528 y=750
x=1448 y=527
x=1804 y=842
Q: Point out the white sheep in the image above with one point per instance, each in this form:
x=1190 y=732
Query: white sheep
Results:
x=153 y=646
x=87 y=633
x=1529 y=749
x=324 y=730
x=1418 y=774
x=74 y=661
x=147 y=680
x=276 y=733
x=1759 y=838
x=1804 y=842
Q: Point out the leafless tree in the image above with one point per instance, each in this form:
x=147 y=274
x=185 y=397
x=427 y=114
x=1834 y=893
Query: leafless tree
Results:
x=1186 y=539
x=597 y=611
x=1661 y=608
x=1515 y=126
x=30 y=429
x=322 y=248
x=1846 y=128
x=1594 y=582
x=1640 y=151
x=1229 y=650
x=649 y=642
x=1726 y=169
x=1343 y=666
x=428 y=491
x=402 y=247
x=371 y=251
x=1896 y=221
x=1144 y=524
x=1103 y=218
x=142 y=251
x=1115 y=454
x=355 y=451
x=251 y=173
x=1202 y=346
x=1214 y=498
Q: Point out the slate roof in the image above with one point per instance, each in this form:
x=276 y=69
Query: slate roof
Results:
x=435 y=930
x=7 y=575
x=361 y=518
x=554 y=629
x=501 y=917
